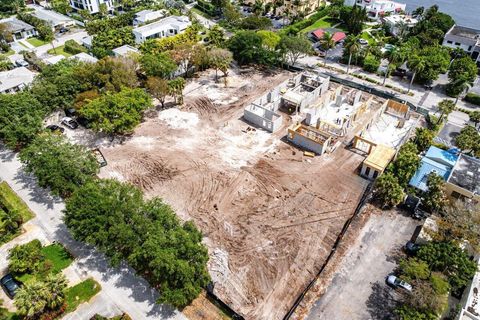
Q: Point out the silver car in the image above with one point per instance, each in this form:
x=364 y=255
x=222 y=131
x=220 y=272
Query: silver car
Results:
x=397 y=282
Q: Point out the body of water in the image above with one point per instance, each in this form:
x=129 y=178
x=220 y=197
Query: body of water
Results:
x=465 y=12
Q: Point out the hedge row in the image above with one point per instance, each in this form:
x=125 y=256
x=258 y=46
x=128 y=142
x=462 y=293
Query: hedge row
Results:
x=302 y=24
x=473 y=98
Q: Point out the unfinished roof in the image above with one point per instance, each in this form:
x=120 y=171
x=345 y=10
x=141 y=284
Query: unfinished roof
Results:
x=15 y=25
x=380 y=157
x=466 y=174
x=311 y=133
x=14 y=78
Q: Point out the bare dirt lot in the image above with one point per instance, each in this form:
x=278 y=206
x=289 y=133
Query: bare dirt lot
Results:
x=269 y=215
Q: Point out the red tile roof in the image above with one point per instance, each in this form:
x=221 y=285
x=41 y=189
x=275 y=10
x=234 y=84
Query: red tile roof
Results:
x=337 y=36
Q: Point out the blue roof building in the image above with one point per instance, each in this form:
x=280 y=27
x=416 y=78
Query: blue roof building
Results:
x=436 y=160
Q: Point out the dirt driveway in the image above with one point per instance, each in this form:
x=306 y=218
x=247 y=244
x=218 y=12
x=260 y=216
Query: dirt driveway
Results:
x=358 y=290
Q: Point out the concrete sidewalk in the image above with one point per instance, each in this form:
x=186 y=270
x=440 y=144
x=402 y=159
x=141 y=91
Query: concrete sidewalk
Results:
x=121 y=288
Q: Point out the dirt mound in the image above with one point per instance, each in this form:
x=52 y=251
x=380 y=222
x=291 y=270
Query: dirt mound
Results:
x=203 y=106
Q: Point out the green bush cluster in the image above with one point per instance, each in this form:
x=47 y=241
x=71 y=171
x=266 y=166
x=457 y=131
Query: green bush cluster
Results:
x=73 y=47
x=473 y=98
x=304 y=23
x=206 y=7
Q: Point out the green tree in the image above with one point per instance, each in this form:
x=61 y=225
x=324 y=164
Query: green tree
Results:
x=105 y=41
x=11 y=6
x=55 y=285
x=388 y=191
x=158 y=88
x=293 y=47
x=436 y=60
x=10 y=222
x=114 y=74
x=25 y=258
x=270 y=39
x=246 y=47
x=423 y=138
x=147 y=234
x=435 y=199
x=176 y=87
x=449 y=259
x=445 y=107
x=406 y=312
x=220 y=59
x=255 y=23
x=475 y=117
x=216 y=36
x=426 y=299
x=416 y=64
x=352 y=47
x=414 y=269
x=58 y=164
x=406 y=163
x=117 y=113
x=327 y=43
x=353 y=18
x=158 y=65
x=62 y=6
x=21 y=117
x=463 y=71
x=394 y=55
x=468 y=140
x=231 y=14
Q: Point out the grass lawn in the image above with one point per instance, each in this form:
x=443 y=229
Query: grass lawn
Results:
x=81 y=293
x=200 y=12
x=56 y=257
x=36 y=42
x=59 y=50
x=365 y=35
x=325 y=22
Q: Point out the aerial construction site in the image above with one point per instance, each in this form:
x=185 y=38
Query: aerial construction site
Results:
x=238 y=159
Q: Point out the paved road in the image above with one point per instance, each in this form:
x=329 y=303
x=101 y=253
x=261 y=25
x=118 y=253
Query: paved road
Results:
x=121 y=289
x=358 y=290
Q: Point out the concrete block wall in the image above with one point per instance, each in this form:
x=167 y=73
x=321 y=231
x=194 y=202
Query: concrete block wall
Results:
x=305 y=143
x=263 y=118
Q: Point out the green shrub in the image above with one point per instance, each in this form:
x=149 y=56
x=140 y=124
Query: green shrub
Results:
x=72 y=47
x=371 y=63
x=473 y=98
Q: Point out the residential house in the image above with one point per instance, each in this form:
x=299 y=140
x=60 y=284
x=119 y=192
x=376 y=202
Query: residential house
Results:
x=436 y=161
x=144 y=16
x=124 y=51
x=399 y=23
x=56 y=20
x=92 y=6
x=464 y=180
x=15 y=80
x=377 y=9
x=337 y=36
x=20 y=30
x=163 y=28
x=84 y=57
x=467 y=39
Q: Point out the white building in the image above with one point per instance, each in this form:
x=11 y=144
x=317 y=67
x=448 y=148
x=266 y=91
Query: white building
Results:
x=20 y=30
x=54 y=19
x=163 y=28
x=84 y=57
x=51 y=60
x=377 y=9
x=145 y=16
x=396 y=22
x=124 y=51
x=93 y=6
x=15 y=80
x=467 y=39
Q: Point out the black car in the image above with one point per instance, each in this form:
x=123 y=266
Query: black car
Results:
x=55 y=128
x=10 y=285
x=412 y=248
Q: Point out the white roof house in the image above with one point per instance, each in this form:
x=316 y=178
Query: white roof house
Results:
x=165 y=27
x=19 y=29
x=15 y=80
x=378 y=8
x=87 y=41
x=394 y=22
x=124 y=51
x=54 y=19
x=84 y=57
x=53 y=59
x=145 y=16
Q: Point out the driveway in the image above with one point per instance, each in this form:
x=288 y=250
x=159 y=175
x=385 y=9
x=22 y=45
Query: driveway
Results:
x=121 y=288
x=358 y=290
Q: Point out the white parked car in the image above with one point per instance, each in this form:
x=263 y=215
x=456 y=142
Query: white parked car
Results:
x=398 y=283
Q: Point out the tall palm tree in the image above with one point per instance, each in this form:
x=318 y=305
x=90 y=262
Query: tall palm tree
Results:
x=55 y=287
x=416 y=64
x=352 y=46
x=393 y=55
x=446 y=107
x=327 y=43
x=11 y=221
x=463 y=84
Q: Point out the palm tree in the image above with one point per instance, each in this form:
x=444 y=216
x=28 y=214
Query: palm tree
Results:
x=55 y=287
x=416 y=64
x=30 y=299
x=257 y=7
x=463 y=84
x=327 y=43
x=11 y=221
x=445 y=107
x=393 y=55
x=352 y=46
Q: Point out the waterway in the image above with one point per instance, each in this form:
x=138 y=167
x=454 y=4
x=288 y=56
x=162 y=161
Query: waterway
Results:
x=465 y=12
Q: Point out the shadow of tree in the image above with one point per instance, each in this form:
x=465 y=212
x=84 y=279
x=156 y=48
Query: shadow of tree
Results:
x=382 y=302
